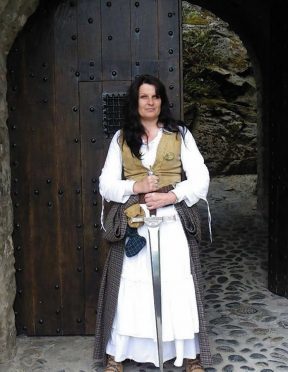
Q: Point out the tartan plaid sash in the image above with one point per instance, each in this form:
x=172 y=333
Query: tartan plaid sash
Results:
x=134 y=243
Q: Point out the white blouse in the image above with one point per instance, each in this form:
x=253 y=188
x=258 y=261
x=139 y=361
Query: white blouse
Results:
x=194 y=188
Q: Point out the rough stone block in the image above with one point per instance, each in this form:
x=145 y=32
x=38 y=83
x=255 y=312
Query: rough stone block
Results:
x=5 y=171
x=7 y=295
x=6 y=217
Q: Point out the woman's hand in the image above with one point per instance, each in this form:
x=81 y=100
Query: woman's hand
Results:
x=156 y=200
x=147 y=184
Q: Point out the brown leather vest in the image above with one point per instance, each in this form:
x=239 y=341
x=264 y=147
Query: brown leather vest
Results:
x=167 y=164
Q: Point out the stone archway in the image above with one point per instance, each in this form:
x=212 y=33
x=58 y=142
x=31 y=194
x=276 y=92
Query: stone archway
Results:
x=251 y=24
x=250 y=21
x=13 y=15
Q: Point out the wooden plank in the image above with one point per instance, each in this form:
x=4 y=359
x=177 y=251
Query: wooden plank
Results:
x=93 y=146
x=116 y=53
x=93 y=153
x=19 y=185
x=169 y=52
x=41 y=170
x=144 y=32
x=89 y=40
x=70 y=223
x=36 y=164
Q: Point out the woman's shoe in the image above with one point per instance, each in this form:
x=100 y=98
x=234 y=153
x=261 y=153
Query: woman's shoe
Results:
x=113 y=366
x=194 y=365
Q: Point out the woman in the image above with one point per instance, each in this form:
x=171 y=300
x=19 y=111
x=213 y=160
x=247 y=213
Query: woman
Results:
x=143 y=170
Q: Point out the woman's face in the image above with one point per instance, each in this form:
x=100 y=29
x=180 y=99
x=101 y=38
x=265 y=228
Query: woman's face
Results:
x=149 y=104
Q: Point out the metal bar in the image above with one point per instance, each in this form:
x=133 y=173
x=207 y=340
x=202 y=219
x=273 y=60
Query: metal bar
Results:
x=154 y=244
x=153 y=219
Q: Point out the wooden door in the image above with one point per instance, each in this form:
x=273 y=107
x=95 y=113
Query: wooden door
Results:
x=68 y=72
x=278 y=151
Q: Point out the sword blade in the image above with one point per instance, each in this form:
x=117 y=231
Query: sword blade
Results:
x=154 y=244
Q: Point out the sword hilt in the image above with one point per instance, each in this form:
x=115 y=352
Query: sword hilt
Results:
x=150 y=171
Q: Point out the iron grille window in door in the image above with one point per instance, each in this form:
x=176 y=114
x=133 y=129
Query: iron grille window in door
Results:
x=113 y=112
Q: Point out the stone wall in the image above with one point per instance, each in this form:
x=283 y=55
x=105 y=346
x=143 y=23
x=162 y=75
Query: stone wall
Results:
x=219 y=93
x=13 y=15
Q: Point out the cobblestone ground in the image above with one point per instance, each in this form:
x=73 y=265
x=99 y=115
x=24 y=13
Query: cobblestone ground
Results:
x=248 y=325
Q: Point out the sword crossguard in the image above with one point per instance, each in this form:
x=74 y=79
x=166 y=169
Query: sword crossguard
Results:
x=153 y=221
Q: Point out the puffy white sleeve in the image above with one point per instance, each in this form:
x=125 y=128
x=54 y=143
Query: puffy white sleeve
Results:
x=111 y=185
x=196 y=186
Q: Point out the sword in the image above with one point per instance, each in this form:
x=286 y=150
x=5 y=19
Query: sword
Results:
x=153 y=225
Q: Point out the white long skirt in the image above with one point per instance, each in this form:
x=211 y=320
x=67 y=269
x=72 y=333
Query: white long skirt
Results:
x=133 y=333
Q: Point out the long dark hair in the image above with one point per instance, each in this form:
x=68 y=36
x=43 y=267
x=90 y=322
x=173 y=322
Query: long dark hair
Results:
x=133 y=130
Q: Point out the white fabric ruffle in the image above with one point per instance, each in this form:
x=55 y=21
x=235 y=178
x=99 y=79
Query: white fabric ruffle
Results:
x=143 y=350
